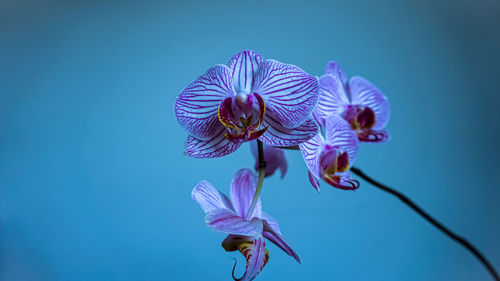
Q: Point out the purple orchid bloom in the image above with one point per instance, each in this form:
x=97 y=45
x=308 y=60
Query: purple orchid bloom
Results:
x=359 y=102
x=245 y=231
x=330 y=156
x=250 y=98
x=274 y=157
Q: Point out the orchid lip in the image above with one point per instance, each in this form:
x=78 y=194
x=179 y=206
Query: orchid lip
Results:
x=239 y=119
x=360 y=117
x=371 y=136
x=232 y=242
x=245 y=250
x=335 y=181
x=332 y=162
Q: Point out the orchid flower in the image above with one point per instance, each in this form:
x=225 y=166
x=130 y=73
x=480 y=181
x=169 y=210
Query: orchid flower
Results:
x=274 y=157
x=359 y=102
x=249 y=98
x=246 y=228
x=330 y=156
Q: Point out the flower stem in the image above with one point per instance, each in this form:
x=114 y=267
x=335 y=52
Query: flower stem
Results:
x=460 y=240
x=260 y=180
x=294 y=147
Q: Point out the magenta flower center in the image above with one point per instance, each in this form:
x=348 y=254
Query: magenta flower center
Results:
x=360 y=117
x=333 y=161
x=243 y=116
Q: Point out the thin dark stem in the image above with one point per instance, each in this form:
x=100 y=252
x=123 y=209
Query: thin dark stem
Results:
x=460 y=240
x=260 y=150
x=294 y=147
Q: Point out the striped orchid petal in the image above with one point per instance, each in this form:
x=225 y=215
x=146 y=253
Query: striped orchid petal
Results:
x=272 y=222
x=311 y=151
x=217 y=146
x=256 y=256
x=196 y=106
x=278 y=240
x=209 y=197
x=228 y=221
x=290 y=93
x=242 y=191
x=365 y=93
x=277 y=135
x=332 y=98
x=244 y=66
x=314 y=180
x=333 y=68
x=339 y=134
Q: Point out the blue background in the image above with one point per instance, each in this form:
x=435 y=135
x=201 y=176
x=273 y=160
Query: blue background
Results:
x=94 y=184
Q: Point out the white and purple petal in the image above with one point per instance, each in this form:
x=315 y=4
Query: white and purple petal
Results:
x=196 y=106
x=209 y=197
x=332 y=98
x=333 y=68
x=276 y=238
x=311 y=151
x=277 y=135
x=340 y=134
x=314 y=180
x=228 y=221
x=365 y=93
x=272 y=222
x=244 y=66
x=290 y=93
x=242 y=191
x=274 y=157
x=217 y=146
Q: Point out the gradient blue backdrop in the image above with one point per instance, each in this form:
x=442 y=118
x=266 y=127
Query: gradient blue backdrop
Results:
x=94 y=184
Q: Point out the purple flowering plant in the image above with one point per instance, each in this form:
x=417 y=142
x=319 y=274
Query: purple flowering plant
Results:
x=275 y=107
